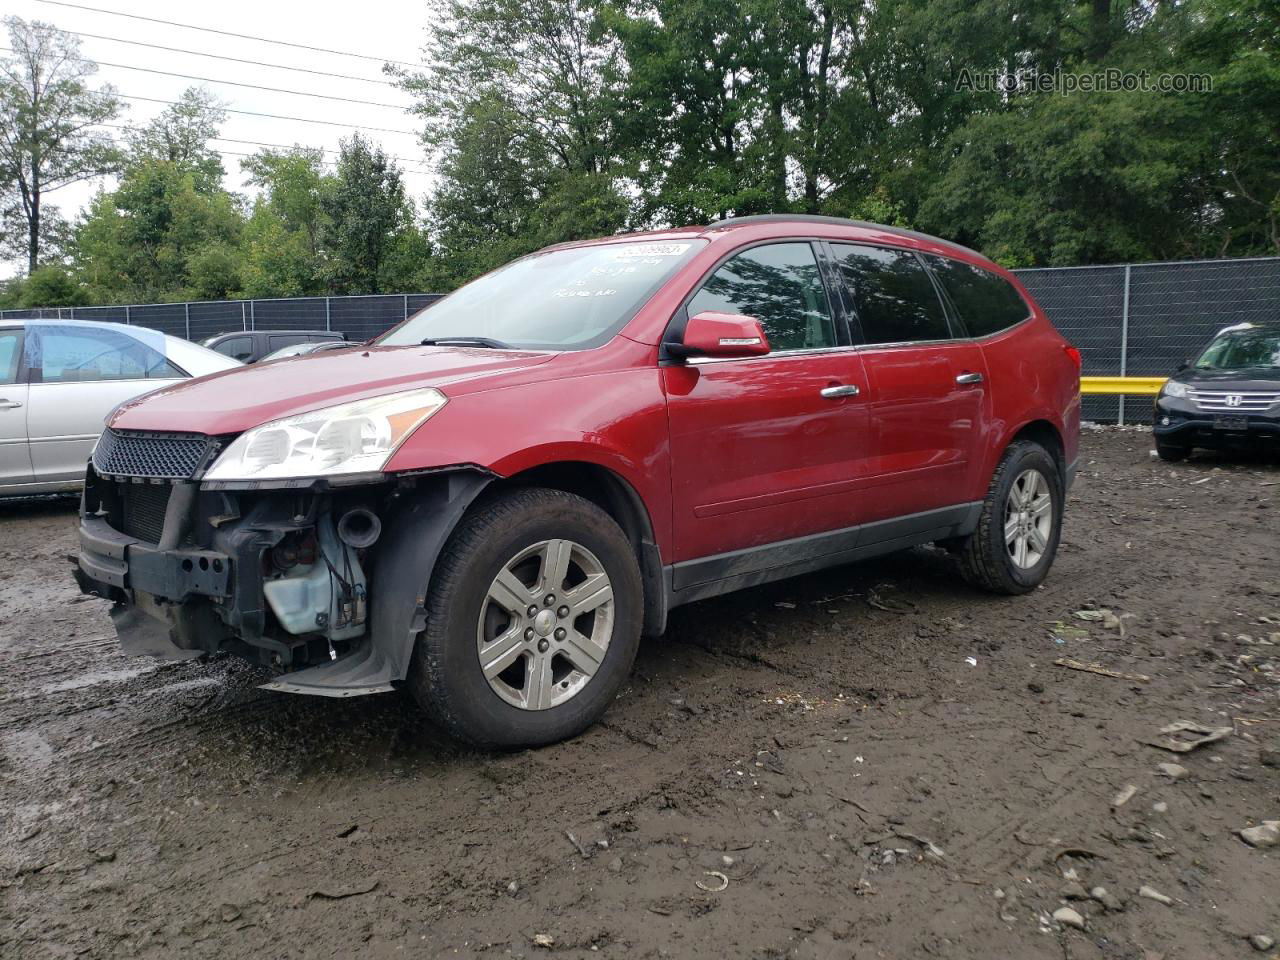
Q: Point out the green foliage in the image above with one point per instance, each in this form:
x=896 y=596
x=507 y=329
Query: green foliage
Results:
x=142 y=241
x=180 y=135
x=696 y=109
x=281 y=244
x=553 y=120
x=365 y=209
x=52 y=285
x=48 y=140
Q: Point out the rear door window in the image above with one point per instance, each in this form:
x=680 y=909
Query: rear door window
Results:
x=86 y=354
x=285 y=340
x=239 y=348
x=779 y=284
x=10 y=354
x=987 y=303
x=892 y=295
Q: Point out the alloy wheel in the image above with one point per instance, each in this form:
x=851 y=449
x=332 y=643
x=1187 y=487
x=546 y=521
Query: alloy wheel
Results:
x=1028 y=519
x=545 y=624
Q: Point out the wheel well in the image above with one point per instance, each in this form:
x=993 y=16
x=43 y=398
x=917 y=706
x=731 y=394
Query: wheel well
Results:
x=616 y=497
x=1046 y=434
x=598 y=484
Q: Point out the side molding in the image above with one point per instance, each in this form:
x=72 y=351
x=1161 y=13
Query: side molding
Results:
x=725 y=572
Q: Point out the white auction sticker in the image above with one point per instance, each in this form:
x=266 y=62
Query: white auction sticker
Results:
x=631 y=250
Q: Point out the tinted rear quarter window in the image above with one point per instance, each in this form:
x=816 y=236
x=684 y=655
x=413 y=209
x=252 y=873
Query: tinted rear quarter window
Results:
x=240 y=348
x=987 y=303
x=893 y=298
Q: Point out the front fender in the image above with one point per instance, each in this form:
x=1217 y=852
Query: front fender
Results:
x=616 y=419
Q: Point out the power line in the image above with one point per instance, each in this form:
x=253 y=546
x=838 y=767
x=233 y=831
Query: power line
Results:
x=279 y=116
x=219 y=56
x=235 y=83
x=279 y=146
x=228 y=33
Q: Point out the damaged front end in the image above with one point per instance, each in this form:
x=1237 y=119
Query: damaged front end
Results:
x=322 y=580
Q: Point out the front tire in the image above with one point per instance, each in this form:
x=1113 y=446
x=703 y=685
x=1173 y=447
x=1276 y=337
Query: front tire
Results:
x=1018 y=531
x=533 y=621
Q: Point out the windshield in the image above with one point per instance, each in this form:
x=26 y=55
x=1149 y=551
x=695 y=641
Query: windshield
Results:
x=1242 y=348
x=569 y=299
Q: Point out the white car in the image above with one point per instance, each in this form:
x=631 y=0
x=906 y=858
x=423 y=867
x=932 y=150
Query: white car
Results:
x=60 y=378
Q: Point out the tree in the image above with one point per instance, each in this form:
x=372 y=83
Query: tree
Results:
x=181 y=133
x=52 y=285
x=282 y=237
x=364 y=211
x=520 y=106
x=142 y=241
x=47 y=117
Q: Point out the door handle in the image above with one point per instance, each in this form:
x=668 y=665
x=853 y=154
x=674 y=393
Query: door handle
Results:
x=967 y=378
x=840 y=390
x=9 y=404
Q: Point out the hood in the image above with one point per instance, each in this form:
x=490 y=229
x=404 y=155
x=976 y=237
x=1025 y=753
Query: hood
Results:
x=1243 y=379
x=235 y=400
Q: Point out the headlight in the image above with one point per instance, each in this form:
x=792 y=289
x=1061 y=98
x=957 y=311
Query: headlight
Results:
x=355 y=437
x=1175 y=389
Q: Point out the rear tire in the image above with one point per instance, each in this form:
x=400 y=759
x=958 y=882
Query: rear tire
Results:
x=1018 y=531
x=1171 y=452
x=534 y=615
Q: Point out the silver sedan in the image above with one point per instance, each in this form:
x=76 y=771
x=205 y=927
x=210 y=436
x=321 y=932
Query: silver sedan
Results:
x=60 y=378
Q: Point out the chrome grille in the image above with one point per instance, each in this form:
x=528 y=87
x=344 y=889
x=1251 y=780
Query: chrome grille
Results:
x=1234 y=401
x=168 y=456
x=144 y=508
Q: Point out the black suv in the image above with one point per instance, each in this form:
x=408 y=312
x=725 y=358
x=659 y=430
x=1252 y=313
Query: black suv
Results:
x=1229 y=397
x=250 y=346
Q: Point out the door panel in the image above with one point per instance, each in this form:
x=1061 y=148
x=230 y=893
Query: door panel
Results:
x=15 y=455
x=79 y=372
x=15 y=452
x=758 y=454
x=924 y=427
x=65 y=420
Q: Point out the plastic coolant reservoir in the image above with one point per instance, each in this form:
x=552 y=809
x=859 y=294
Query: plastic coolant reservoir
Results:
x=309 y=590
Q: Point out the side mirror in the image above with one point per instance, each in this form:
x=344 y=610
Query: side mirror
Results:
x=725 y=335
x=1184 y=365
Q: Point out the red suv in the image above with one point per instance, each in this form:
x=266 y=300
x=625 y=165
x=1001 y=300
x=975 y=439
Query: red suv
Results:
x=495 y=501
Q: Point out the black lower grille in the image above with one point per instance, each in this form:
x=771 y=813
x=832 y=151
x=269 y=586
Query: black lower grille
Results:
x=171 y=456
x=144 y=506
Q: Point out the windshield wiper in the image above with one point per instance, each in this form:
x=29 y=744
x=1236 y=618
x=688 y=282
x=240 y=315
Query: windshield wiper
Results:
x=465 y=342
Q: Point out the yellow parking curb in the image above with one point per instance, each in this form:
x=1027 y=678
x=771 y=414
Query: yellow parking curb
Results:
x=1121 y=386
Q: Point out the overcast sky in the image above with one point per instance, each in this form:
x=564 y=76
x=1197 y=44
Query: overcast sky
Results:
x=384 y=29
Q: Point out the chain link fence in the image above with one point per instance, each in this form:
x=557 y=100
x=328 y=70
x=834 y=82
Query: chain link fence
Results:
x=1143 y=319
x=1137 y=320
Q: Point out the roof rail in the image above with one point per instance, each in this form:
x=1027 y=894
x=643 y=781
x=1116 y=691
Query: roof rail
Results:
x=835 y=221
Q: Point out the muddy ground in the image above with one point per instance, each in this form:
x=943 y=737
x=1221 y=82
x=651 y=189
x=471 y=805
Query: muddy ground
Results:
x=877 y=761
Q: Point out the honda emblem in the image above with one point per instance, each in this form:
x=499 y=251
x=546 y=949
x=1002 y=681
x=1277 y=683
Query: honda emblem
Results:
x=1234 y=400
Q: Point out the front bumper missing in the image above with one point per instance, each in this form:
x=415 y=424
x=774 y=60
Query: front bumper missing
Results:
x=150 y=588
x=123 y=562
x=200 y=588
